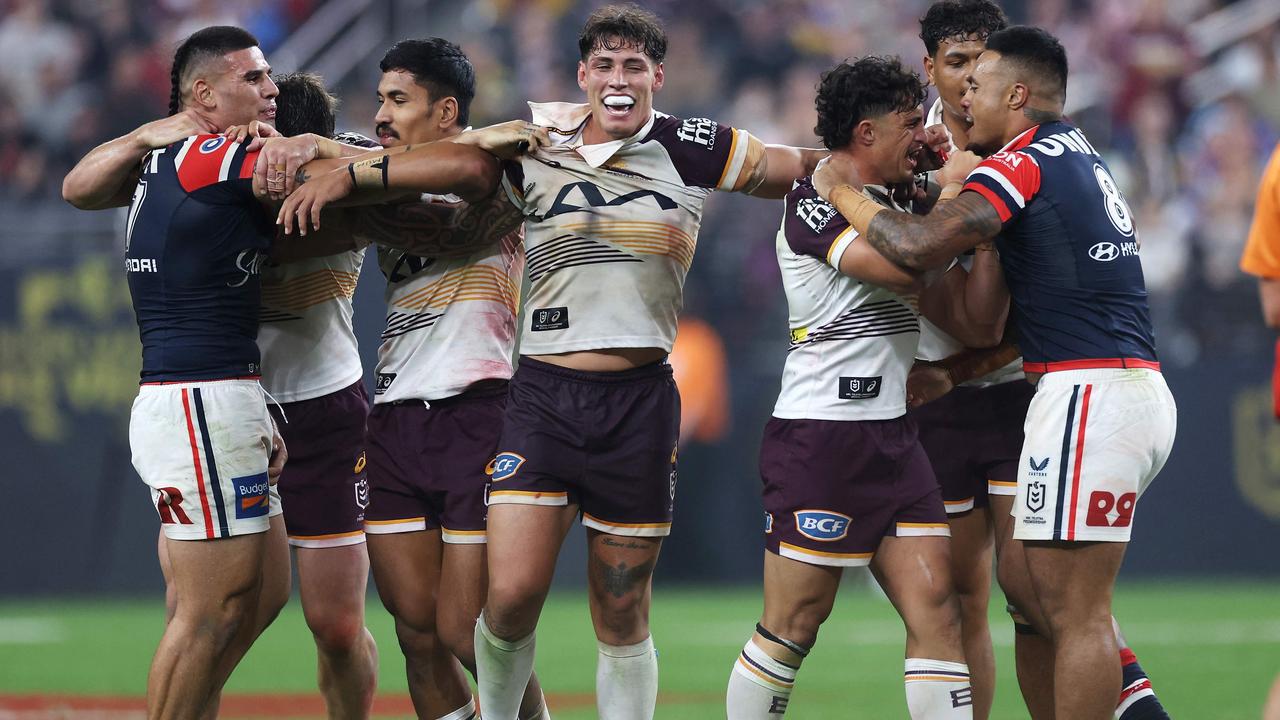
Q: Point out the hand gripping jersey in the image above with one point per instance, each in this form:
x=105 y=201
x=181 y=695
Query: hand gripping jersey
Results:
x=451 y=321
x=852 y=343
x=1069 y=251
x=935 y=343
x=196 y=240
x=612 y=227
x=308 y=344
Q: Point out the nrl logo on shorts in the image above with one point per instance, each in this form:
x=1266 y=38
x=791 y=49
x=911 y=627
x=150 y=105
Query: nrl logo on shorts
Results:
x=1035 y=495
x=362 y=493
x=1038 y=468
x=822 y=525
x=816 y=214
x=503 y=466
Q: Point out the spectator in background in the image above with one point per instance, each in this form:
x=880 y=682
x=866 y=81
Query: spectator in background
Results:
x=702 y=375
x=1262 y=256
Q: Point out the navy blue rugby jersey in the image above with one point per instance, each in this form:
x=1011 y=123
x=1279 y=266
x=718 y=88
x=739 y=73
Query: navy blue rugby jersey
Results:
x=1070 y=252
x=197 y=238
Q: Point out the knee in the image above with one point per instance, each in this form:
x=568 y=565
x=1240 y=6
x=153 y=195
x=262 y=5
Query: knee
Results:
x=337 y=630
x=511 y=609
x=800 y=623
x=459 y=638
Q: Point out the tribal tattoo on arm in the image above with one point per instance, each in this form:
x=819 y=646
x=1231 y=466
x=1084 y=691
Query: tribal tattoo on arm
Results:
x=438 y=229
x=922 y=243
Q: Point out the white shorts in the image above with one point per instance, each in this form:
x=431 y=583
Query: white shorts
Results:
x=1094 y=440
x=203 y=449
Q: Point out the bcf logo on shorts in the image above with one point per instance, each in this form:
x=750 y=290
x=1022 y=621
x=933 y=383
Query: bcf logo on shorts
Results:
x=822 y=525
x=1106 y=510
x=503 y=466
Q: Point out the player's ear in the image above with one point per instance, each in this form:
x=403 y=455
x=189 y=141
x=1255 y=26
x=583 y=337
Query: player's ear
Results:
x=658 y=77
x=202 y=93
x=447 y=114
x=1019 y=94
x=864 y=133
x=928 y=69
x=582 y=75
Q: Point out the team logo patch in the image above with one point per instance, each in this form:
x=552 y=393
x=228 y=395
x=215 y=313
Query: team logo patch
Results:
x=822 y=525
x=212 y=144
x=253 y=496
x=1104 y=251
x=816 y=214
x=383 y=382
x=503 y=466
x=768 y=522
x=1107 y=510
x=1035 y=496
x=1038 y=468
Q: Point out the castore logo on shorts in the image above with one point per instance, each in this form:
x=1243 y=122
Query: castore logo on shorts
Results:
x=503 y=466
x=822 y=525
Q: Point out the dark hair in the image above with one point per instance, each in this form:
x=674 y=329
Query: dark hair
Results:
x=1036 y=51
x=304 y=105
x=614 y=27
x=868 y=88
x=200 y=47
x=437 y=65
x=951 y=19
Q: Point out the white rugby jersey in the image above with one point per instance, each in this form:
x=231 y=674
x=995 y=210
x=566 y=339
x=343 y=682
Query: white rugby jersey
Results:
x=852 y=343
x=935 y=343
x=612 y=228
x=305 y=337
x=451 y=321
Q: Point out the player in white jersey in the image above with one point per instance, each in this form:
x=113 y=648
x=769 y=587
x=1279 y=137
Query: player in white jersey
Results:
x=846 y=482
x=613 y=208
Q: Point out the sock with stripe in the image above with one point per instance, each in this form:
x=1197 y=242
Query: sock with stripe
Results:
x=1138 y=700
x=759 y=686
x=502 y=671
x=542 y=713
x=938 y=690
x=466 y=712
x=626 y=681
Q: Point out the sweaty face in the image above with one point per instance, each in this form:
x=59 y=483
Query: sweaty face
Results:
x=244 y=90
x=899 y=140
x=988 y=106
x=949 y=70
x=620 y=85
x=404 y=111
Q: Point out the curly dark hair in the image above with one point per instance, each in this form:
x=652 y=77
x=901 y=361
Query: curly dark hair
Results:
x=614 y=27
x=867 y=88
x=950 y=19
x=1037 y=52
x=200 y=47
x=439 y=66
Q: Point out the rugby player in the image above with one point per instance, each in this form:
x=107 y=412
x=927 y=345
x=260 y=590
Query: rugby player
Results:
x=442 y=376
x=973 y=434
x=612 y=210
x=846 y=482
x=1102 y=421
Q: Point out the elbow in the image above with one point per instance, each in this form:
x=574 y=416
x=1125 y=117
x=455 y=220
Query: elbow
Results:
x=985 y=337
x=480 y=174
x=74 y=194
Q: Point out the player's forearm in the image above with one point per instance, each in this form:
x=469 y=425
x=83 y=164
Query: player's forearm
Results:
x=781 y=166
x=919 y=243
x=334 y=237
x=970 y=364
x=441 y=168
x=986 y=298
x=437 y=229
x=102 y=178
x=1269 y=295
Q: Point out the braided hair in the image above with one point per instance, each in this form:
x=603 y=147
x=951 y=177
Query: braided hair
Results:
x=202 y=46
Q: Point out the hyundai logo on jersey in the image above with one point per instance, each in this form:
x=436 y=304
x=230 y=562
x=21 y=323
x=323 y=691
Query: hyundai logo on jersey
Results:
x=253 y=498
x=1104 y=252
x=504 y=466
x=822 y=525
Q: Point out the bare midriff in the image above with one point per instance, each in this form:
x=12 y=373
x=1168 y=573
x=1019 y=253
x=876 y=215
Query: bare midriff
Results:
x=610 y=360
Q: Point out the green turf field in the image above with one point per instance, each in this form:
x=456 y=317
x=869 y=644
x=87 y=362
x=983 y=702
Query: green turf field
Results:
x=1211 y=649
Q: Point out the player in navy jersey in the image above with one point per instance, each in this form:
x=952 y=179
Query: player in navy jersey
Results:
x=1102 y=422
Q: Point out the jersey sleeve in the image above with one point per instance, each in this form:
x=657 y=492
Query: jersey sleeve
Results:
x=1008 y=180
x=814 y=227
x=1262 y=251
x=216 y=168
x=706 y=153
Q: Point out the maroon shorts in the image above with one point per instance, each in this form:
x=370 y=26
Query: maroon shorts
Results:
x=834 y=489
x=605 y=441
x=973 y=437
x=427 y=463
x=323 y=488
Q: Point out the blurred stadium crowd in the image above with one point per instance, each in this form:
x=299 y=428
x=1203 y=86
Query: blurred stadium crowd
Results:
x=1185 y=118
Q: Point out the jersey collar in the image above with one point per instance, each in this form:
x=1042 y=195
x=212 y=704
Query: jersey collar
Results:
x=568 y=120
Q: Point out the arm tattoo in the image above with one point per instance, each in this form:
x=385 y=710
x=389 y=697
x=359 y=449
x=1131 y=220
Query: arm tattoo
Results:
x=919 y=243
x=438 y=229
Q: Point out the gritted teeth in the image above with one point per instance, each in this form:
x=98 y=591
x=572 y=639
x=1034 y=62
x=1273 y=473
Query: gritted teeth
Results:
x=619 y=101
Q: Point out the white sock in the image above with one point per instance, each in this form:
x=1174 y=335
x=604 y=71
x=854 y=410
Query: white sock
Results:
x=542 y=713
x=759 y=686
x=502 y=671
x=938 y=690
x=466 y=712
x=627 y=681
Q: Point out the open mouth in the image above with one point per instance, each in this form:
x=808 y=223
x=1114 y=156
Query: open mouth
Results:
x=269 y=113
x=619 y=105
x=913 y=156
